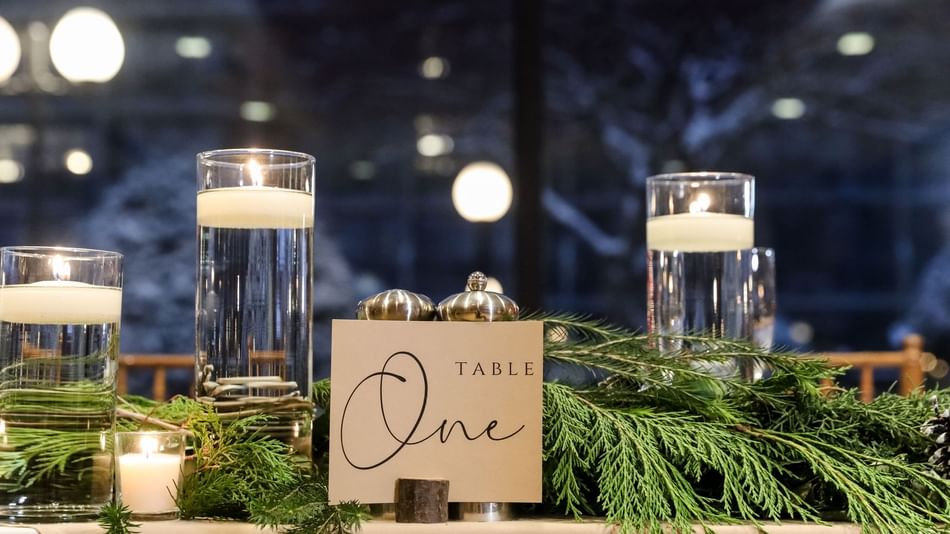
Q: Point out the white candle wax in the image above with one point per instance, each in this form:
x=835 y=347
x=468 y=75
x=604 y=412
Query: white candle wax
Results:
x=60 y=302
x=147 y=482
x=255 y=207
x=700 y=232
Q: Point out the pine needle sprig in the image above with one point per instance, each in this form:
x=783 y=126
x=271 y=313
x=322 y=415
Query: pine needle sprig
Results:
x=234 y=465
x=176 y=412
x=116 y=518
x=646 y=463
x=887 y=495
x=577 y=327
x=320 y=393
x=35 y=454
x=304 y=506
x=659 y=439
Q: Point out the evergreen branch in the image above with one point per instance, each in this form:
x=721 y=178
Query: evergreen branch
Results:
x=578 y=327
x=304 y=506
x=115 y=518
x=34 y=454
x=661 y=440
x=647 y=462
x=320 y=393
x=881 y=493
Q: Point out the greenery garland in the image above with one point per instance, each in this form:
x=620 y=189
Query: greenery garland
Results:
x=653 y=442
x=660 y=441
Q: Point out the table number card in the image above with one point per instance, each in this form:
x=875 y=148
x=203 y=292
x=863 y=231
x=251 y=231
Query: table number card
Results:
x=457 y=401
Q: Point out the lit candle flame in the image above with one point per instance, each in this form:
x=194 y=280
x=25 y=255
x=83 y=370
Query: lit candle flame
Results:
x=61 y=268
x=701 y=204
x=148 y=445
x=254 y=170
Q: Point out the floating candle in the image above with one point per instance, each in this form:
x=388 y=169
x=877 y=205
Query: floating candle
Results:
x=700 y=232
x=255 y=207
x=60 y=302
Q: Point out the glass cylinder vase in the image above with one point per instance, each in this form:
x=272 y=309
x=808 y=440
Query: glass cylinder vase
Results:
x=60 y=312
x=699 y=230
x=763 y=306
x=254 y=298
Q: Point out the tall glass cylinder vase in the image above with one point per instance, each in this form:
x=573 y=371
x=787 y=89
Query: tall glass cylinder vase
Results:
x=60 y=311
x=763 y=303
x=253 y=306
x=699 y=228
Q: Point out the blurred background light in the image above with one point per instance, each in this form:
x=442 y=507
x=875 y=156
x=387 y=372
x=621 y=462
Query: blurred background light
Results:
x=482 y=192
x=86 y=46
x=362 y=170
x=940 y=369
x=788 y=108
x=258 y=111
x=801 y=332
x=9 y=50
x=855 y=44
x=78 y=161
x=432 y=145
x=193 y=47
x=10 y=171
x=434 y=68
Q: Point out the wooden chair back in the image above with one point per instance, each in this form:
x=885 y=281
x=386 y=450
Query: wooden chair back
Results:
x=159 y=363
x=907 y=361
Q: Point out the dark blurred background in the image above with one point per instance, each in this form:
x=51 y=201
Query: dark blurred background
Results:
x=840 y=108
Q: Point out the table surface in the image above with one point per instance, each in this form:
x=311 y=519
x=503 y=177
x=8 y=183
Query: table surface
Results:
x=524 y=526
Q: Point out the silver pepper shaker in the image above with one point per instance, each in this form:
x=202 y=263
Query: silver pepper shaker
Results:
x=394 y=305
x=477 y=304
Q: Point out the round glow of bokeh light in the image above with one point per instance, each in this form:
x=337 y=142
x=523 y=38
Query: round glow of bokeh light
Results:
x=432 y=145
x=788 y=108
x=10 y=171
x=193 y=47
x=482 y=192
x=855 y=44
x=434 y=67
x=9 y=50
x=86 y=46
x=78 y=161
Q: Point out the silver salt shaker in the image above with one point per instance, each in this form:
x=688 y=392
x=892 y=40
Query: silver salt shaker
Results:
x=477 y=304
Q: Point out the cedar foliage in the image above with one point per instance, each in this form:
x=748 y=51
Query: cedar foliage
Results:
x=240 y=473
x=661 y=441
x=655 y=443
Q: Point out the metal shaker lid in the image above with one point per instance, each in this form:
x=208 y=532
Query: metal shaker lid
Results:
x=396 y=305
x=477 y=304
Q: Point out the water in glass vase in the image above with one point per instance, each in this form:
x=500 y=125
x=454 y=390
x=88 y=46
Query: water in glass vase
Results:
x=253 y=322
x=57 y=405
x=704 y=293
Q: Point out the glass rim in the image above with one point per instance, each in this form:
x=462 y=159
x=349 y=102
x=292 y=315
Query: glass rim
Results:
x=72 y=253
x=210 y=158
x=708 y=176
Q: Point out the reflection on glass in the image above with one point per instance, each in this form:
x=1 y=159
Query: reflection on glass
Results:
x=762 y=300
